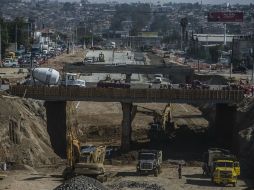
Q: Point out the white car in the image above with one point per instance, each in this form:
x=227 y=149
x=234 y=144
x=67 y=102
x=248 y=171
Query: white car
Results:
x=10 y=63
x=157 y=80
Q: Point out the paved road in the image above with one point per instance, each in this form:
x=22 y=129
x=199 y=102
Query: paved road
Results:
x=226 y=73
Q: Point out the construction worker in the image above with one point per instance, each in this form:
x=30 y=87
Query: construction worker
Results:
x=180 y=171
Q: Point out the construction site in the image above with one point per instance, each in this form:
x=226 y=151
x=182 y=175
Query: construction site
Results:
x=112 y=140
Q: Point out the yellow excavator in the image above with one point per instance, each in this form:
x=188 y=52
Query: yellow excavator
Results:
x=84 y=160
x=162 y=126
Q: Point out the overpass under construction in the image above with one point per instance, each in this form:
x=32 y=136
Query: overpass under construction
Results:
x=176 y=73
x=56 y=98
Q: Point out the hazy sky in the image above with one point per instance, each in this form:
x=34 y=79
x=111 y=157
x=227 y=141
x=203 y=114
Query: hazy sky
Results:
x=180 y=1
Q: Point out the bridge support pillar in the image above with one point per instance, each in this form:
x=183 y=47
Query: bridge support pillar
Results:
x=56 y=126
x=126 y=126
x=128 y=78
x=225 y=127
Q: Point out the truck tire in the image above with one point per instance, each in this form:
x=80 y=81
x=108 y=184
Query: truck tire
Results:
x=156 y=172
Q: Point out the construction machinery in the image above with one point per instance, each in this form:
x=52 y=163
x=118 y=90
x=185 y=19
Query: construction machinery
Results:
x=49 y=76
x=109 y=83
x=162 y=126
x=84 y=160
x=221 y=166
x=149 y=161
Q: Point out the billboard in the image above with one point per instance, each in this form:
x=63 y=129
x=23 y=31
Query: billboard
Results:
x=228 y=16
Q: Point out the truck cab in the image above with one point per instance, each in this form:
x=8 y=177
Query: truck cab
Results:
x=149 y=161
x=225 y=172
x=221 y=166
x=71 y=79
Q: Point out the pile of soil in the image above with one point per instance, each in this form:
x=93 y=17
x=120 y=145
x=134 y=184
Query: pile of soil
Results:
x=23 y=133
x=246 y=136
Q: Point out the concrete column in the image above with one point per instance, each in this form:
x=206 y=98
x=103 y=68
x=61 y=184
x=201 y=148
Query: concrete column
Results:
x=126 y=126
x=225 y=127
x=56 y=126
x=128 y=78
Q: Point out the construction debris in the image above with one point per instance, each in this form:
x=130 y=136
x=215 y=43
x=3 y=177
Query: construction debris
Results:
x=135 y=185
x=81 y=183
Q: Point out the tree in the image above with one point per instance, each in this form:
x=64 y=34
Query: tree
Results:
x=4 y=36
x=9 y=30
x=214 y=53
x=137 y=13
x=183 y=23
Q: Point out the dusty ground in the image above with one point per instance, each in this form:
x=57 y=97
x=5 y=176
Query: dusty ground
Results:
x=59 y=61
x=122 y=178
x=99 y=123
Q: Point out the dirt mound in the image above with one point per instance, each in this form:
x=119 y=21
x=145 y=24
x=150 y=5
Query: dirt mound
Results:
x=81 y=182
x=23 y=133
x=135 y=185
x=246 y=136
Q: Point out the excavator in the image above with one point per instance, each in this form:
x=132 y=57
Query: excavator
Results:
x=162 y=127
x=84 y=160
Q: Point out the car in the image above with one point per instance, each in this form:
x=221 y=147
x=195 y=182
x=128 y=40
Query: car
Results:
x=184 y=86
x=88 y=60
x=196 y=84
x=10 y=63
x=157 y=80
x=240 y=69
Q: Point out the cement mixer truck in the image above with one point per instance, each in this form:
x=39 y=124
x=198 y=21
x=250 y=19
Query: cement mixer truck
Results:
x=49 y=76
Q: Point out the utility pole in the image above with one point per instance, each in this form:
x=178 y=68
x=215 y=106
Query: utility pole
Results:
x=0 y=45
x=182 y=39
x=16 y=37
x=76 y=41
x=252 y=72
x=27 y=35
x=232 y=56
x=225 y=34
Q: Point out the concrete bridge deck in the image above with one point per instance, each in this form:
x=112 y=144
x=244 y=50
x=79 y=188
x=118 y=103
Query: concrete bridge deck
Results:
x=128 y=69
x=59 y=93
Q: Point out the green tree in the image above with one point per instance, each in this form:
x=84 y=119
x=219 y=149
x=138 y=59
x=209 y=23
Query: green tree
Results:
x=11 y=30
x=138 y=13
x=183 y=23
x=4 y=36
x=214 y=53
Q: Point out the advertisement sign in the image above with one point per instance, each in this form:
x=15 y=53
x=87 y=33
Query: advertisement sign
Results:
x=228 y=16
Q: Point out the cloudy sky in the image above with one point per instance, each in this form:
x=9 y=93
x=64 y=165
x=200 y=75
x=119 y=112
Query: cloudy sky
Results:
x=180 y=1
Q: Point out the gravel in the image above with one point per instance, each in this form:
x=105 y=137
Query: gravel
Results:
x=81 y=183
x=135 y=185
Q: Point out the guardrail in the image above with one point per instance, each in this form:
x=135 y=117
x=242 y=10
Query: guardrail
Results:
x=59 y=93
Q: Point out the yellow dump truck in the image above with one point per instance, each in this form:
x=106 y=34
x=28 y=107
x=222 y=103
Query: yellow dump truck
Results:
x=221 y=166
x=226 y=172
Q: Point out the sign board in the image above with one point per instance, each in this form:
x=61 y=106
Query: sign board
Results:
x=148 y=34
x=228 y=16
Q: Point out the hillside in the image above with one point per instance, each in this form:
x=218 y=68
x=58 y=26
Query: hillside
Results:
x=23 y=133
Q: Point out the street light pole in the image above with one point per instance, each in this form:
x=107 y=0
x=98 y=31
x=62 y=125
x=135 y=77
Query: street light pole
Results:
x=16 y=37
x=252 y=72
x=0 y=45
x=232 y=57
